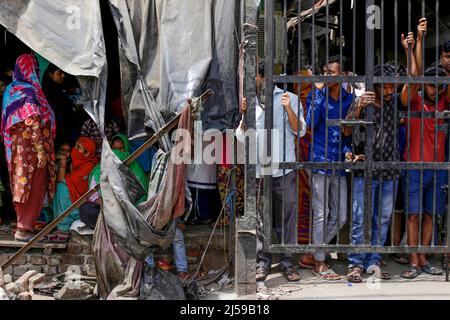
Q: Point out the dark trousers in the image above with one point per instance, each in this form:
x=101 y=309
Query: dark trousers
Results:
x=288 y=187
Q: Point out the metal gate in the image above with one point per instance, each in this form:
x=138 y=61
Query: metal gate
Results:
x=368 y=32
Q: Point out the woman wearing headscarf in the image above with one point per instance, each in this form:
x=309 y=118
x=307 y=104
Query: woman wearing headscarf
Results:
x=121 y=147
x=28 y=130
x=66 y=117
x=71 y=186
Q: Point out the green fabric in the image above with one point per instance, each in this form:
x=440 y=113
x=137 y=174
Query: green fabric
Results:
x=43 y=64
x=134 y=166
x=126 y=142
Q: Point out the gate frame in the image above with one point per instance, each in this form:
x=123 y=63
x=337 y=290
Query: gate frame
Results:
x=367 y=166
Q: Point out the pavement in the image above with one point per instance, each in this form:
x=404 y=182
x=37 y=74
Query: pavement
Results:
x=424 y=287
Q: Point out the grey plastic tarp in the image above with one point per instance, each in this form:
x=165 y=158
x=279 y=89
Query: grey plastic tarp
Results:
x=70 y=35
x=177 y=49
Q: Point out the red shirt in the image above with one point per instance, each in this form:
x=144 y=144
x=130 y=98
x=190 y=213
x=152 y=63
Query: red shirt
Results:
x=429 y=131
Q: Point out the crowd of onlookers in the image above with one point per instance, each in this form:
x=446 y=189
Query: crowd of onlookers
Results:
x=52 y=157
x=419 y=194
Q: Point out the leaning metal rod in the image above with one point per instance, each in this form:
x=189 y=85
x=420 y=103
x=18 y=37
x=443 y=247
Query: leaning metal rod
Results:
x=151 y=141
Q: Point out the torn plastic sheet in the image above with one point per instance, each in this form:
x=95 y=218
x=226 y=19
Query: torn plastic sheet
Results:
x=120 y=192
x=69 y=35
x=221 y=110
x=178 y=48
x=135 y=49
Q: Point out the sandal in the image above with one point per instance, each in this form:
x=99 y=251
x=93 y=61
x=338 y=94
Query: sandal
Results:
x=58 y=237
x=412 y=273
x=400 y=258
x=305 y=265
x=183 y=276
x=261 y=274
x=291 y=275
x=309 y=266
x=23 y=236
x=354 y=274
x=327 y=275
x=434 y=271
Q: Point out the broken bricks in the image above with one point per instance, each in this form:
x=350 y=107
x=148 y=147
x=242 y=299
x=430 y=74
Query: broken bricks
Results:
x=23 y=281
x=75 y=290
x=12 y=288
x=7 y=278
x=25 y=296
x=35 y=281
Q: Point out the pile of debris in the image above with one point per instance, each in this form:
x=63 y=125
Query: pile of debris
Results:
x=22 y=288
x=68 y=286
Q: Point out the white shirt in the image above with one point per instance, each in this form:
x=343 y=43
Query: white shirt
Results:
x=280 y=118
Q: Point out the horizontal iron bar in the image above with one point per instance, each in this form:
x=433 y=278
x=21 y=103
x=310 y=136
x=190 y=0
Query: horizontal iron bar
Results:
x=301 y=248
x=298 y=78
x=360 y=79
x=426 y=115
x=363 y=165
x=412 y=80
x=338 y=122
x=401 y=115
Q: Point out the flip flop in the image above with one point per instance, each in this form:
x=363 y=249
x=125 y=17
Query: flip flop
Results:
x=327 y=275
x=435 y=271
x=291 y=275
x=413 y=272
x=354 y=274
x=18 y=236
x=184 y=276
x=261 y=274
x=58 y=237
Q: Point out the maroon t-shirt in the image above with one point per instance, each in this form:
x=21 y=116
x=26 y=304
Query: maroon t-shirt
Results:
x=429 y=131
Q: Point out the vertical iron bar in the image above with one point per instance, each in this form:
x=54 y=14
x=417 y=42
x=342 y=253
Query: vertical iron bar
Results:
x=352 y=174
x=268 y=119
x=396 y=121
x=340 y=135
x=284 y=33
x=354 y=38
x=408 y=131
x=380 y=172
x=299 y=109
x=312 y=107
x=421 y=139
x=325 y=188
x=436 y=121
x=369 y=66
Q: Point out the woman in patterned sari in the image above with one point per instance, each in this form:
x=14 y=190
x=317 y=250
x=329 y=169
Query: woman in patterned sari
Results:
x=28 y=131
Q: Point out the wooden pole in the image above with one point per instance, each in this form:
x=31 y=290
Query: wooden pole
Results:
x=151 y=141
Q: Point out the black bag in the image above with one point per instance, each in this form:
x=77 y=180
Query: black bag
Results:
x=89 y=212
x=157 y=284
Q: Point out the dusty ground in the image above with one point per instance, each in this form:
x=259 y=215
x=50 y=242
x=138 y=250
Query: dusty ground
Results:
x=276 y=287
